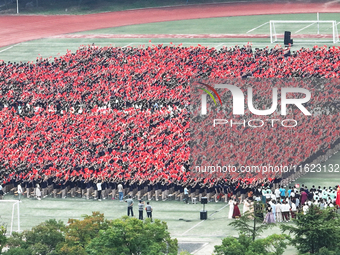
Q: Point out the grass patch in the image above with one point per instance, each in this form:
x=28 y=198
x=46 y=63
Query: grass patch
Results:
x=223 y=25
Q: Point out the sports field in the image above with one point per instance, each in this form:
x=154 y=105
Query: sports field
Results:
x=182 y=219
x=175 y=32
x=194 y=235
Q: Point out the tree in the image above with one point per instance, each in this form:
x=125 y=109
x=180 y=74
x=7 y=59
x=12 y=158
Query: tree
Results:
x=3 y=238
x=244 y=245
x=94 y=235
x=42 y=239
x=233 y=246
x=79 y=233
x=314 y=230
x=248 y=229
x=133 y=236
x=247 y=223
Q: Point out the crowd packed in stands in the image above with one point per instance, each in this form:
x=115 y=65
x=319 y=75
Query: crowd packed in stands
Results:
x=241 y=145
x=121 y=115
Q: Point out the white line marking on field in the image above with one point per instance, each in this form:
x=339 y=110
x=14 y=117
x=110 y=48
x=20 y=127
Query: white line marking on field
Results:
x=204 y=220
x=192 y=227
x=9 y=47
x=219 y=45
x=205 y=244
x=304 y=28
x=251 y=30
x=332 y=26
x=127 y=45
x=219 y=210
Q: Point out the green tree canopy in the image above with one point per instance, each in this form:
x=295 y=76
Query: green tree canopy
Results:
x=132 y=236
x=3 y=238
x=317 y=229
x=79 y=233
x=43 y=239
x=94 y=235
x=244 y=245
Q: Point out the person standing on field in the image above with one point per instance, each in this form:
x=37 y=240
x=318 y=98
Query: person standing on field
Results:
x=140 y=209
x=129 y=202
x=120 y=192
x=99 y=190
x=19 y=191
x=148 y=210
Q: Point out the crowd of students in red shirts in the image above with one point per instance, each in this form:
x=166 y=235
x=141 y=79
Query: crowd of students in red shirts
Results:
x=123 y=113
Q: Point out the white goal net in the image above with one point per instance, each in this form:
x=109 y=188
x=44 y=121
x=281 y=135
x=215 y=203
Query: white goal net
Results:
x=10 y=215
x=304 y=30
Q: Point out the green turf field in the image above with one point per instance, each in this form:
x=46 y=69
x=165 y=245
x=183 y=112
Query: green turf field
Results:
x=183 y=219
x=52 y=47
x=223 y=25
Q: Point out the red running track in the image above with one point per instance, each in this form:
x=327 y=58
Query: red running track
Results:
x=16 y=29
x=102 y=36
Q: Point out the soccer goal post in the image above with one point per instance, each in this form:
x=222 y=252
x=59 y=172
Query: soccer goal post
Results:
x=304 y=30
x=7 y=216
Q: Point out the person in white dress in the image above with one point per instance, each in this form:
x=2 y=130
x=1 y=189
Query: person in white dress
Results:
x=305 y=208
x=38 y=192
x=273 y=206
x=278 y=212
x=246 y=206
x=19 y=191
x=231 y=208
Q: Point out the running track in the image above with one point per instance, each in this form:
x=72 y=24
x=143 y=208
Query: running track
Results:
x=15 y=29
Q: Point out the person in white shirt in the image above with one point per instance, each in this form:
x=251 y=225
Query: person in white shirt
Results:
x=120 y=192
x=293 y=210
x=285 y=211
x=305 y=208
x=277 y=193
x=273 y=197
x=321 y=204
x=278 y=212
x=297 y=202
x=19 y=191
x=268 y=194
x=231 y=208
x=99 y=189
x=1 y=192
x=38 y=192
x=246 y=206
x=186 y=195
x=324 y=193
x=273 y=206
